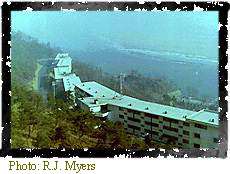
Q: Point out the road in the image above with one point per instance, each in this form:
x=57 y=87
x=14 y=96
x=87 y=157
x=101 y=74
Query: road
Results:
x=42 y=79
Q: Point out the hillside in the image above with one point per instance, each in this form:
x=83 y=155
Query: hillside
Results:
x=55 y=123
x=25 y=51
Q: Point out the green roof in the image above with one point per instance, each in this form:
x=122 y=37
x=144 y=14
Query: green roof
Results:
x=60 y=72
x=70 y=81
x=64 y=61
x=152 y=108
x=205 y=117
x=142 y=106
x=61 y=55
x=97 y=90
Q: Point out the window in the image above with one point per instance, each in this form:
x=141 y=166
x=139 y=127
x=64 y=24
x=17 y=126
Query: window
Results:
x=121 y=109
x=121 y=116
x=180 y=135
x=134 y=119
x=201 y=126
x=185 y=132
x=153 y=132
x=186 y=124
x=181 y=127
x=104 y=108
x=170 y=120
x=196 y=145
x=136 y=112
x=215 y=140
x=185 y=141
x=151 y=116
x=196 y=135
x=169 y=137
x=134 y=127
x=152 y=124
x=170 y=128
x=129 y=110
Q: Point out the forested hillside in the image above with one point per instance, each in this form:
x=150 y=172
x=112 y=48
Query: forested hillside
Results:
x=135 y=84
x=54 y=123
x=25 y=51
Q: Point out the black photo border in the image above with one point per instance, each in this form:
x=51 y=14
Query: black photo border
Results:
x=221 y=7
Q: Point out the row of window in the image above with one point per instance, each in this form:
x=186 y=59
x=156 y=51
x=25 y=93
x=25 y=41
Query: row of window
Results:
x=151 y=132
x=134 y=127
x=200 y=126
x=196 y=135
x=195 y=145
x=187 y=142
x=169 y=137
x=170 y=128
x=151 y=116
x=151 y=124
x=170 y=120
x=166 y=119
x=134 y=119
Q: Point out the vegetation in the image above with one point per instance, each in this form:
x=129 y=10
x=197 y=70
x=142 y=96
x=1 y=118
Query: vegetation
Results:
x=56 y=123
x=141 y=87
x=25 y=52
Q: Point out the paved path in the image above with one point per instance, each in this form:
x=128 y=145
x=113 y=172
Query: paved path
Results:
x=42 y=77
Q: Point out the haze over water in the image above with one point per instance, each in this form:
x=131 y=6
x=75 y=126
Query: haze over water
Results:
x=181 y=46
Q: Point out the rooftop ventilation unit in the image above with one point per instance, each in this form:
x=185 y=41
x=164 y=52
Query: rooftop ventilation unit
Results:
x=146 y=108
x=211 y=120
x=165 y=112
x=130 y=104
x=95 y=101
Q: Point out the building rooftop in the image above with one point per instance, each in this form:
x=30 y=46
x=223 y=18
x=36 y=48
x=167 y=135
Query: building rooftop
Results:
x=59 y=73
x=61 y=55
x=97 y=90
x=64 y=62
x=205 y=117
x=70 y=81
x=153 y=108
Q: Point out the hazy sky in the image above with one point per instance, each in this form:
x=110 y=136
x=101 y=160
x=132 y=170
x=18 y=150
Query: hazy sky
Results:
x=194 y=33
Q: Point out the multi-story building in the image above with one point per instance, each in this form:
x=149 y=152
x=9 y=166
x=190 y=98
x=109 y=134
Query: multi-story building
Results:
x=63 y=79
x=63 y=66
x=179 y=127
x=69 y=82
x=166 y=124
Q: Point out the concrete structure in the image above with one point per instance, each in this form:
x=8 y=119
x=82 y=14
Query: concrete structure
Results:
x=70 y=82
x=63 y=79
x=94 y=89
x=63 y=66
x=166 y=124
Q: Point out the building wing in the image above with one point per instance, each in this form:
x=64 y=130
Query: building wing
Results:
x=70 y=81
